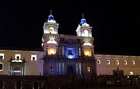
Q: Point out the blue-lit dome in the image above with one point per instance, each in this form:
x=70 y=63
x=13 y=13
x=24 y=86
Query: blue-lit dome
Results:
x=83 y=21
x=50 y=17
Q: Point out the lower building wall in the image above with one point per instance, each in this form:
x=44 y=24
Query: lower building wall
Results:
x=31 y=67
x=105 y=64
x=34 y=68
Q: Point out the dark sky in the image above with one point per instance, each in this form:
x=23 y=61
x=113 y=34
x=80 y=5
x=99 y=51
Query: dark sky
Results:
x=116 y=25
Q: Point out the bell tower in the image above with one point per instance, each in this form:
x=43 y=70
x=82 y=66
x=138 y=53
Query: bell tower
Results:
x=84 y=30
x=50 y=35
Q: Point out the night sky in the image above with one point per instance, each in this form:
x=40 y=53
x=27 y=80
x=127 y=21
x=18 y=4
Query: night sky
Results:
x=115 y=25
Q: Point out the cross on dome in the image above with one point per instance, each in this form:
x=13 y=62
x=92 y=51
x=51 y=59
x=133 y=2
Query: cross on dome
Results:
x=83 y=21
x=51 y=17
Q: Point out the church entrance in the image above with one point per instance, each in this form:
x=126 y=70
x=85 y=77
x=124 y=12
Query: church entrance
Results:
x=70 y=70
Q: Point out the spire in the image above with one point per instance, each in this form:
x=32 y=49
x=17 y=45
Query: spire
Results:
x=50 y=12
x=83 y=20
x=83 y=15
x=51 y=18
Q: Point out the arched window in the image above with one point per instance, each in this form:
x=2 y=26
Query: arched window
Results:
x=88 y=52
x=117 y=62
x=86 y=33
x=98 y=61
x=51 y=51
x=52 y=30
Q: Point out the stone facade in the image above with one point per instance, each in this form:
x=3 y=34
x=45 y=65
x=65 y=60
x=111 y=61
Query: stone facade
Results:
x=30 y=67
x=66 y=55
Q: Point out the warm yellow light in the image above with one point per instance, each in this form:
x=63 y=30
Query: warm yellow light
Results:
x=51 y=51
x=131 y=73
x=88 y=52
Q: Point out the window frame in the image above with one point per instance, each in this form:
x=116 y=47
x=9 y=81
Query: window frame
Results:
x=2 y=54
x=16 y=55
x=33 y=55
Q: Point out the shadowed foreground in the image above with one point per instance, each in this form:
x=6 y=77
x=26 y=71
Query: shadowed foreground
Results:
x=63 y=82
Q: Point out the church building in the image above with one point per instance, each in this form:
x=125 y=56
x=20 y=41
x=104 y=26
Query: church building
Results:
x=66 y=55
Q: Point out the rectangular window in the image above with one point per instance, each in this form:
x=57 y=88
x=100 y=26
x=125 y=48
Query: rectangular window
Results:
x=108 y=62
x=17 y=56
x=133 y=61
x=34 y=57
x=98 y=61
x=88 y=52
x=89 y=69
x=52 y=51
x=1 y=56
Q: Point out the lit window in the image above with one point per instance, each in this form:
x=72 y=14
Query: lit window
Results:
x=88 y=69
x=51 y=51
x=1 y=56
x=108 y=61
x=51 y=41
x=71 y=53
x=127 y=76
x=52 y=30
x=33 y=57
x=42 y=44
x=1 y=66
x=98 y=61
x=131 y=73
x=125 y=62
x=133 y=61
x=117 y=62
x=85 y=33
x=17 y=56
x=87 y=52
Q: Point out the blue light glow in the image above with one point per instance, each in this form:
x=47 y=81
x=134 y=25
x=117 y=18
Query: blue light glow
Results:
x=50 y=17
x=71 y=53
x=83 y=21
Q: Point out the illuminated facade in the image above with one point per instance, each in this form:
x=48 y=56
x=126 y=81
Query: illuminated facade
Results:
x=66 y=55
